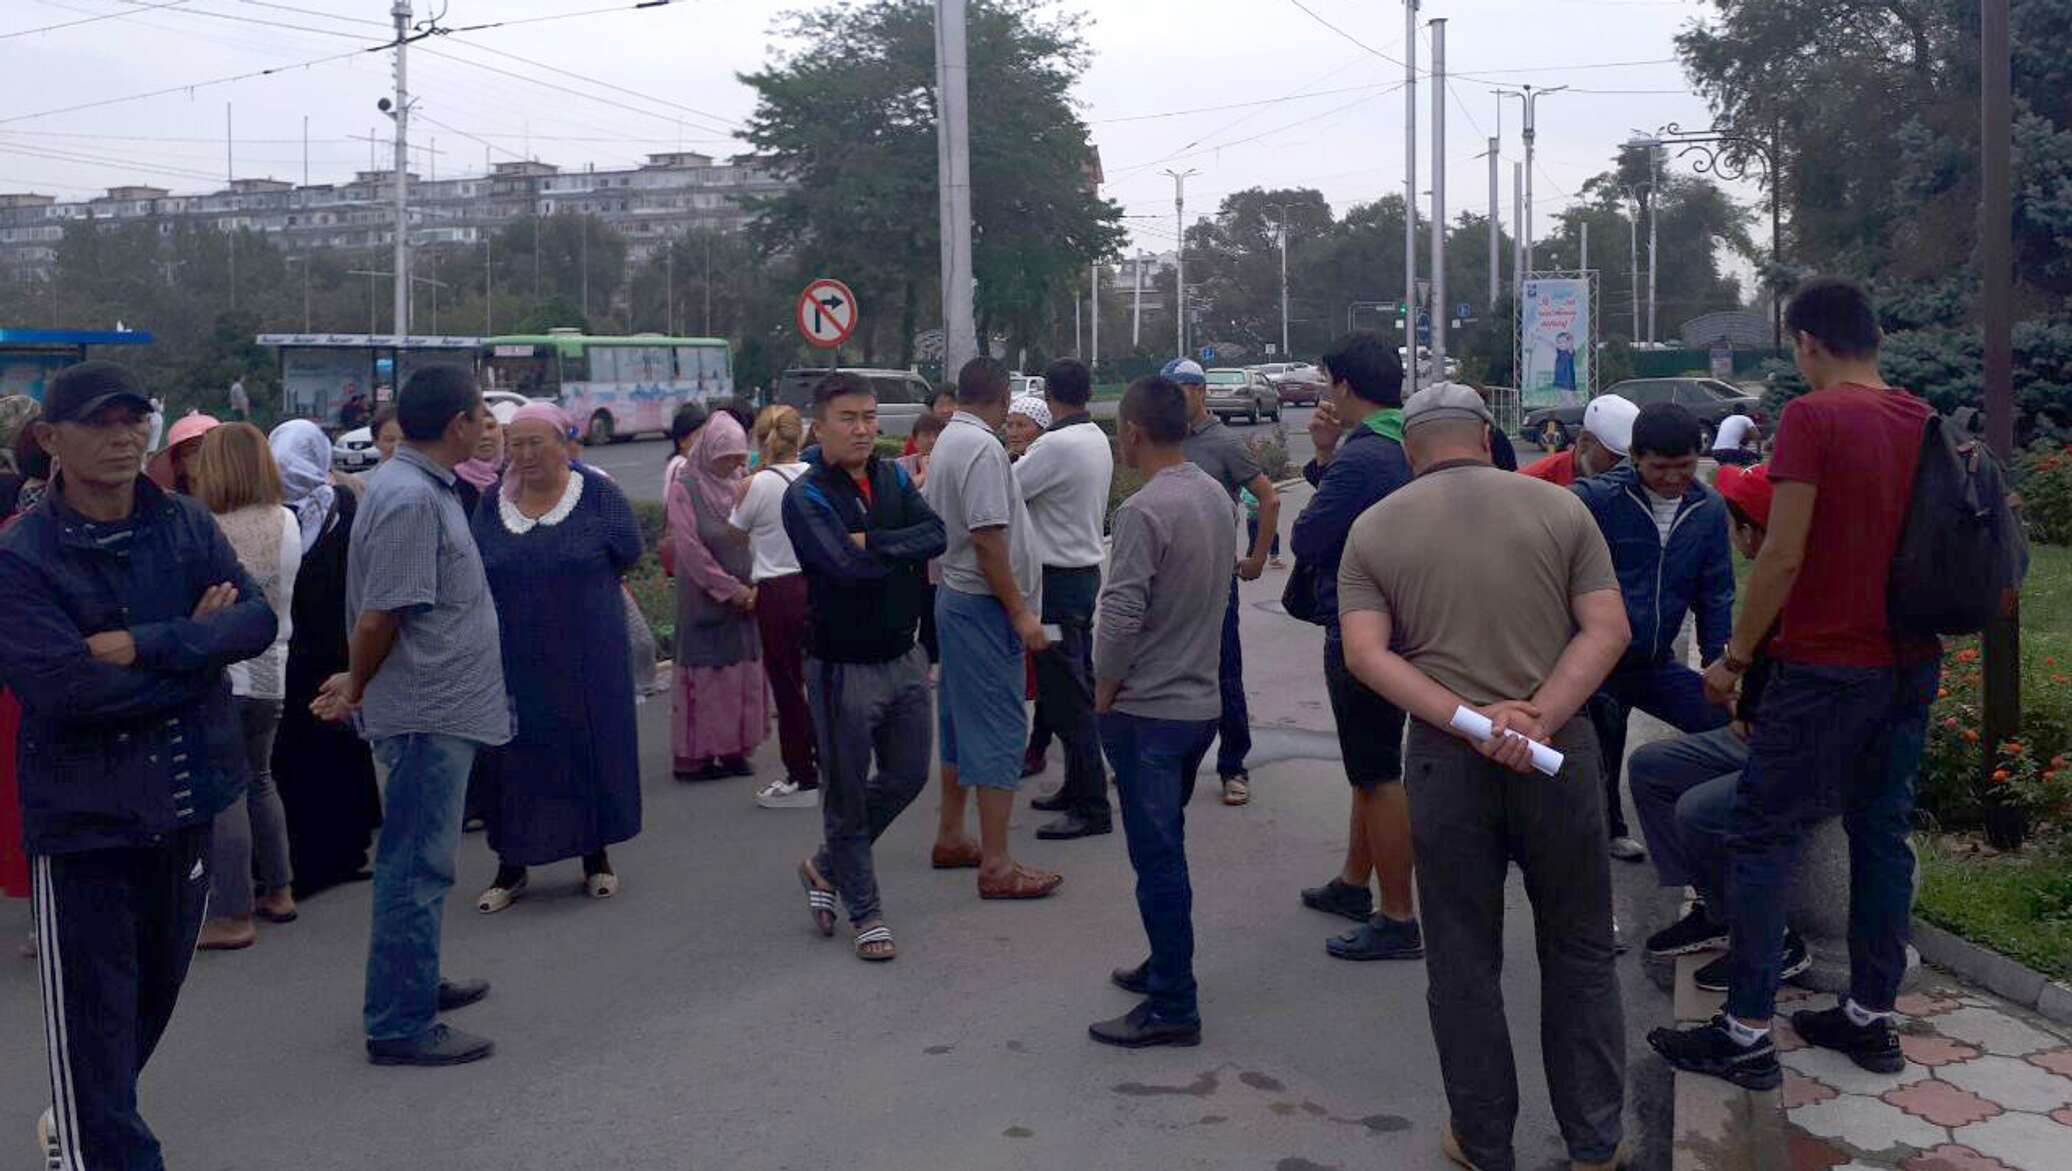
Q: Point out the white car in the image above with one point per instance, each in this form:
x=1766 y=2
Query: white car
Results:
x=354 y=451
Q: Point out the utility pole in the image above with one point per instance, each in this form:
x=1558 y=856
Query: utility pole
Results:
x=488 y=289
x=1285 y=350
x=1078 y=324
x=708 y=282
x=1438 y=25
x=583 y=262
x=2003 y=680
x=1495 y=228
x=1518 y=231
x=1585 y=264
x=1180 y=259
x=1654 y=215
x=230 y=197
x=953 y=155
x=1409 y=198
x=401 y=113
x=1633 y=251
x=669 y=290
x=1530 y=98
x=1137 y=305
x=1093 y=357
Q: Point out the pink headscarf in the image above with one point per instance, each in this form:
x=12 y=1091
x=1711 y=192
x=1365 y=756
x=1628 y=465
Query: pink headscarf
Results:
x=546 y=413
x=717 y=439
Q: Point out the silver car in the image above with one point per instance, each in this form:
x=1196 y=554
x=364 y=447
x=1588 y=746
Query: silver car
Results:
x=1234 y=392
x=354 y=451
x=902 y=394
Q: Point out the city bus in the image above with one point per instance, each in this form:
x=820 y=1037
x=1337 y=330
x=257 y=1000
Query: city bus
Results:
x=613 y=387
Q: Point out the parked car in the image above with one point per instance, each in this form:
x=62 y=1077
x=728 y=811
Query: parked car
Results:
x=902 y=394
x=1025 y=384
x=354 y=451
x=1554 y=428
x=1235 y=392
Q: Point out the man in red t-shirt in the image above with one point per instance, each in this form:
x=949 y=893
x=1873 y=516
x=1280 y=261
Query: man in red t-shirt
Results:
x=1607 y=433
x=1843 y=717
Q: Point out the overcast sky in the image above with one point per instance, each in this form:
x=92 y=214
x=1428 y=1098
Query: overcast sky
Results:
x=1340 y=131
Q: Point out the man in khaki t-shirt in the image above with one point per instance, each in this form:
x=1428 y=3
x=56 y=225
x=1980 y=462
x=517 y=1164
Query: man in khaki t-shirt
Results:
x=1478 y=587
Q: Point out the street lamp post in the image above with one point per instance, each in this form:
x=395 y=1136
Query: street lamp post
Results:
x=1180 y=258
x=1726 y=152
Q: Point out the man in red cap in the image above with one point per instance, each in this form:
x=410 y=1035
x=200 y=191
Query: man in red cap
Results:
x=1683 y=787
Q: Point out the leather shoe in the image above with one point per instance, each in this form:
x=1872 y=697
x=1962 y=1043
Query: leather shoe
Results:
x=438 y=1045
x=1138 y=1029
x=1073 y=825
x=1136 y=981
x=1055 y=803
x=461 y=993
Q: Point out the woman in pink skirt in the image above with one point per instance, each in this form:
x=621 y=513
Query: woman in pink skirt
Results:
x=720 y=700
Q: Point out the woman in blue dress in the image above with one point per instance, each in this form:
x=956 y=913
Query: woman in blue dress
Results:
x=555 y=538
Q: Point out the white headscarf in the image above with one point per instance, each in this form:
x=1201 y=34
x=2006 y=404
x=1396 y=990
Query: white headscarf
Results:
x=304 y=457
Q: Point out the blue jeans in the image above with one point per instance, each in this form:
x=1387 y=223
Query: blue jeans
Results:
x=1683 y=791
x=1827 y=740
x=1154 y=763
x=1668 y=691
x=413 y=870
x=1234 y=730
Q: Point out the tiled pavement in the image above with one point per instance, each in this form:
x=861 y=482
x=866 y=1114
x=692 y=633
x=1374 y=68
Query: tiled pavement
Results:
x=1987 y=1087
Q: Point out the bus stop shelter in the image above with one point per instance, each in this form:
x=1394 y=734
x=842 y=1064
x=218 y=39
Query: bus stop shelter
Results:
x=319 y=372
x=28 y=357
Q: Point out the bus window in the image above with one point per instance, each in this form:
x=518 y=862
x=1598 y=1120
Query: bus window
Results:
x=644 y=365
x=521 y=369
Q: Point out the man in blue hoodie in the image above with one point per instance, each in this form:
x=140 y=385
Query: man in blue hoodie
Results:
x=125 y=604
x=1358 y=432
x=1668 y=537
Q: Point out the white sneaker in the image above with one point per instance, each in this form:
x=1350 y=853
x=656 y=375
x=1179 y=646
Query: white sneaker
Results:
x=786 y=795
x=47 y=1141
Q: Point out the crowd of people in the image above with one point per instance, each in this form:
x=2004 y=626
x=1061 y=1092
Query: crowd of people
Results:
x=207 y=662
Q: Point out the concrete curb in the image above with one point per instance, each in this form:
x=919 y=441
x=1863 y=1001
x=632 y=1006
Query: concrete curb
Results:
x=1996 y=973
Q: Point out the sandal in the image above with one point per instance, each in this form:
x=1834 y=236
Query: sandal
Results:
x=875 y=944
x=1024 y=883
x=820 y=898
x=963 y=856
x=1237 y=789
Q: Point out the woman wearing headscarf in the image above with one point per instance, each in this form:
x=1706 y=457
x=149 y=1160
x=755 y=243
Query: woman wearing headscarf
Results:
x=323 y=771
x=780 y=603
x=234 y=476
x=720 y=701
x=555 y=539
x=473 y=477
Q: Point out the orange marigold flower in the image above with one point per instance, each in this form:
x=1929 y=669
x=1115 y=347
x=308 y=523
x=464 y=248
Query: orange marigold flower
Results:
x=1968 y=655
x=2057 y=678
x=1949 y=721
x=1943 y=693
x=1999 y=775
x=1971 y=735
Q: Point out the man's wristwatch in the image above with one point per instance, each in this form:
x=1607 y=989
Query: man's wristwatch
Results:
x=1737 y=666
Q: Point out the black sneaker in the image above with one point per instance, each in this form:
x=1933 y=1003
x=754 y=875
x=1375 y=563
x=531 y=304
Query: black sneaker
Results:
x=1138 y=1029
x=1380 y=938
x=455 y=994
x=1693 y=933
x=439 y=1045
x=1135 y=980
x=1795 y=960
x=1874 y=1046
x=1338 y=897
x=1711 y=1050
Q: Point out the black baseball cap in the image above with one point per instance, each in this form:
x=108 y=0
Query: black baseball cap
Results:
x=77 y=391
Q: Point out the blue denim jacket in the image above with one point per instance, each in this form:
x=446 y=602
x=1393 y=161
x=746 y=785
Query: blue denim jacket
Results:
x=1692 y=572
x=120 y=756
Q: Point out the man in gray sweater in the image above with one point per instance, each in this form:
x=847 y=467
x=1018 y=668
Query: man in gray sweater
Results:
x=1157 y=645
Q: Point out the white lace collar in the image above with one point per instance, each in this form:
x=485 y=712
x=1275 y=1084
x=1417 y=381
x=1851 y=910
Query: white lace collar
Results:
x=519 y=524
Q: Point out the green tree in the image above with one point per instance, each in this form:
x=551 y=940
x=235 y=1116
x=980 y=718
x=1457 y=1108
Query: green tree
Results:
x=847 y=112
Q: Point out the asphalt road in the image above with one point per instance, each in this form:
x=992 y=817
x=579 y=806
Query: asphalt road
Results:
x=637 y=464
x=698 y=1021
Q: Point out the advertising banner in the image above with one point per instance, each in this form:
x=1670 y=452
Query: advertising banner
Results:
x=1555 y=333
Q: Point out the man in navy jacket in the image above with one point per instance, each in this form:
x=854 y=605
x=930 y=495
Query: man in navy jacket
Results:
x=1358 y=431
x=125 y=604
x=1668 y=537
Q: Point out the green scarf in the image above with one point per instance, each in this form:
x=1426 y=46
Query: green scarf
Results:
x=1386 y=422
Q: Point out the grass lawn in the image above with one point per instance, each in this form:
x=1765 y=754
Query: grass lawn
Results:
x=2018 y=905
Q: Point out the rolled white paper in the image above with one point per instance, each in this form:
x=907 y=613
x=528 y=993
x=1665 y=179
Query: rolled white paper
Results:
x=1476 y=726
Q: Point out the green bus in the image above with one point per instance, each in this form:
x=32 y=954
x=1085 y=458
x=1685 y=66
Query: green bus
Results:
x=613 y=387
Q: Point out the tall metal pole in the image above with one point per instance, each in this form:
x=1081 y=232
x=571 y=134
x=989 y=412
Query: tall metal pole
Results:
x=488 y=289
x=1285 y=350
x=1409 y=197
x=1585 y=263
x=1439 y=197
x=1633 y=251
x=669 y=293
x=401 y=13
x=1654 y=214
x=1093 y=357
x=1528 y=175
x=1518 y=230
x=1078 y=324
x=1137 y=305
x=708 y=282
x=953 y=151
x=2003 y=683
x=1496 y=267
x=1180 y=259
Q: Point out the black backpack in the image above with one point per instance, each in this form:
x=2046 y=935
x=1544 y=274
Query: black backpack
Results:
x=1962 y=549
